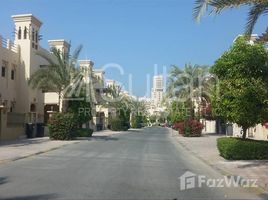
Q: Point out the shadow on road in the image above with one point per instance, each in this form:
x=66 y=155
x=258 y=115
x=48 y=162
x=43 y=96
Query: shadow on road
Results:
x=24 y=142
x=3 y=180
x=264 y=196
x=105 y=138
x=255 y=163
x=32 y=197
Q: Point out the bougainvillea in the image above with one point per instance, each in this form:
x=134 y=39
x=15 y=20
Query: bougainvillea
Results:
x=190 y=128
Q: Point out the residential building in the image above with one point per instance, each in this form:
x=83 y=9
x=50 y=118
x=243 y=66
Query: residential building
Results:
x=51 y=99
x=101 y=113
x=19 y=103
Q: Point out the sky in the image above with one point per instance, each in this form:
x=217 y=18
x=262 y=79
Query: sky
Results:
x=136 y=36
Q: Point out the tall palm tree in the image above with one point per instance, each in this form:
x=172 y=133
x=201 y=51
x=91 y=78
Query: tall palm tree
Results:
x=58 y=75
x=188 y=84
x=138 y=107
x=257 y=8
x=115 y=98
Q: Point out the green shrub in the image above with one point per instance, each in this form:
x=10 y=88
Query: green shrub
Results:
x=83 y=132
x=118 y=124
x=81 y=108
x=136 y=121
x=61 y=126
x=238 y=149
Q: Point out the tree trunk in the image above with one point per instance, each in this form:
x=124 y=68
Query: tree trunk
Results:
x=60 y=102
x=192 y=114
x=244 y=128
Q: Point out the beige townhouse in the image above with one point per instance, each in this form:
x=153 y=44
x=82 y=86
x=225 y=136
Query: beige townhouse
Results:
x=21 y=105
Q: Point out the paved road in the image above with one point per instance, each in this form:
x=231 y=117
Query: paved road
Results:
x=142 y=164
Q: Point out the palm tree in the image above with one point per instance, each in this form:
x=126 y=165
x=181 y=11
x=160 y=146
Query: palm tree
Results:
x=257 y=8
x=58 y=75
x=138 y=107
x=188 y=84
x=116 y=99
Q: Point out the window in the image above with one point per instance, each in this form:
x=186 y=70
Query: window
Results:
x=33 y=34
x=36 y=36
x=25 y=33
x=32 y=107
x=4 y=68
x=12 y=74
x=19 y=33
x=3 y=71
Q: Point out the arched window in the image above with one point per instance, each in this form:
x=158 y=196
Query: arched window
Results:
x=36 y=36
x=19 y=33
x=33 y=34
x=32 y=108
x=25 y=33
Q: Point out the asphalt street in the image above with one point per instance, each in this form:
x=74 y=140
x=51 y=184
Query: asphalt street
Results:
x=138 y=164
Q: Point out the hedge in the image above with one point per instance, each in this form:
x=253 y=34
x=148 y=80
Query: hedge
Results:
x=239 y=149
x=61 y=126
x=136 y=121
x=118 y=124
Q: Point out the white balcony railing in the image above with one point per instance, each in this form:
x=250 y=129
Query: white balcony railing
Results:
x=8 y=44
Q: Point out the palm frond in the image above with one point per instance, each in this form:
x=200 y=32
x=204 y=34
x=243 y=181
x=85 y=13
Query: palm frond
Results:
x=258 y=7
x=43 y=79
x=200 y=7
x=45 y=55
x=58 y=75
x=187 y=83
x=255 y=12
x=219 y=5
x=77 y=52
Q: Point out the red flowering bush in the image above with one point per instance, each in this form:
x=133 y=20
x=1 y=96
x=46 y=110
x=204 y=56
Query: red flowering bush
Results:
x=206 y=111
x=176 y=125
x=190 y=128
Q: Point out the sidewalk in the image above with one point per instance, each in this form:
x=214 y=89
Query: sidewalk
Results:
x=205 y=148
x=23 y=148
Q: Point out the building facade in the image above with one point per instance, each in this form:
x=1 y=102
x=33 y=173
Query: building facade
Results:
x=19 y=103
x=157 y=93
